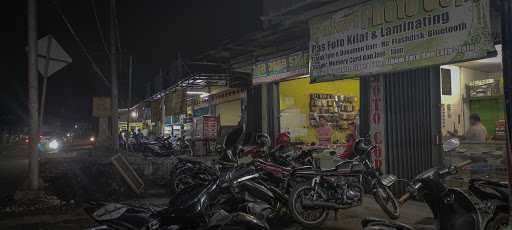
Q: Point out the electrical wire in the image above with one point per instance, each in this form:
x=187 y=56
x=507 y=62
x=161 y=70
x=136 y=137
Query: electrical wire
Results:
x=98 y=25
x=82 y=46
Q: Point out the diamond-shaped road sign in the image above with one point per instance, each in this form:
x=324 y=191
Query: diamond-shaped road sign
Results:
x=50 y=56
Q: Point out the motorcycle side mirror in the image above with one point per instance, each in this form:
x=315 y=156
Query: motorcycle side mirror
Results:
x=451 y=144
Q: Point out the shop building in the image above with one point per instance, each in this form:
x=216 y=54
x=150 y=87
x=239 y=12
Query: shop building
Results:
x=201 y=103
x=399 y=54
x=399 y=71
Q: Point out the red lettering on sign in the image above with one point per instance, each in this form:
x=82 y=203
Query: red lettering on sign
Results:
x=377 y=164
x=376 y=118
x=377 y=138
x=376 y=104
x=377 y=152
x=376 y=89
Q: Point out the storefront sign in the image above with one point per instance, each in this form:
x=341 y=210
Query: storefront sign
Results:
x=390 y=35
x=377 y=127
x=295 y=64
x=133 y=125
x=210 y=126
x=101 y=107
x=201 y=111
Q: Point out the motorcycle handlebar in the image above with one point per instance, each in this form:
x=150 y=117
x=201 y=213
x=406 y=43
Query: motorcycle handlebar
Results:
x=462 y=164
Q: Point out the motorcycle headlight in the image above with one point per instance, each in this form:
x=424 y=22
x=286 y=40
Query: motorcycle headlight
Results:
x=388 y=180
x=54 y=144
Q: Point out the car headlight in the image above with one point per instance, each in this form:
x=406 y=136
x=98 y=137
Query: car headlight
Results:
x=92 y=139
x=54 y=144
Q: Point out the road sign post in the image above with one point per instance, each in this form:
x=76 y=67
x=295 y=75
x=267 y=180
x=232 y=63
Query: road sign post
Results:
x=51 y=58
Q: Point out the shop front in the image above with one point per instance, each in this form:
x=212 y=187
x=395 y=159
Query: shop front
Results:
x=397 y=51
x=214 y=114
x=473 y=109
x=324 y=115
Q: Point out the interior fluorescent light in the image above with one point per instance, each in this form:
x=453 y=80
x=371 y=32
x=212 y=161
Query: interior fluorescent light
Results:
x=196 y=93
x=201 y=94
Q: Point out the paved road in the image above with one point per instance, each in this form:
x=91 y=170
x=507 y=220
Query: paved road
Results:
x=412 y=213
x=13 y=168
x=14 y=165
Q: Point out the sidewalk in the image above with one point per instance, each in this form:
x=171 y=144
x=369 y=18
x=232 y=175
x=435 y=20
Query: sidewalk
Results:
x=412 y=213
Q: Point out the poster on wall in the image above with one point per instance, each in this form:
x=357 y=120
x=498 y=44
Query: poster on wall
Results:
x=390 y=35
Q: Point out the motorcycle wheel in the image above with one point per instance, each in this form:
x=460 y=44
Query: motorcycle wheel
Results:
x=309 y=218
x=498 y=222
x=384 y=198
x=179 y=180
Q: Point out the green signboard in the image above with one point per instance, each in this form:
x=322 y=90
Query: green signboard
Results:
x=280 y=68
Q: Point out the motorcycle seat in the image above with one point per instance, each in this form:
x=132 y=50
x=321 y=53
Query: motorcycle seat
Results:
x=302 y=168
x=330 y=170
x=489 y=190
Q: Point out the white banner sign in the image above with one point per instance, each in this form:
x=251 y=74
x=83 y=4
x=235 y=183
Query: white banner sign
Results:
x=389 y=35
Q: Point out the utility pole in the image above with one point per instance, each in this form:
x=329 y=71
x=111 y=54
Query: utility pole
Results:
x=33 y=94
x=129 y=93
x=506 y=39
x=162 y=107
x=113 y=73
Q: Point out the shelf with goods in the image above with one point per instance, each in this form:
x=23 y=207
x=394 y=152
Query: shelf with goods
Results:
x=500 y=130
x=338 y=110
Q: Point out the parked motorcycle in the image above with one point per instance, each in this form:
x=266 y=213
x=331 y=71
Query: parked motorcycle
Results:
x=341 y=188
x=189 y=171
x=159 y=146
x=281 y=180
x=493 y=205
x=217 y=205
x=451 y=207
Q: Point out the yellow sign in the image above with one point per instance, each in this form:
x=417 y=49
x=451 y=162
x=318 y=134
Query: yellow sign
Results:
x=133 y=125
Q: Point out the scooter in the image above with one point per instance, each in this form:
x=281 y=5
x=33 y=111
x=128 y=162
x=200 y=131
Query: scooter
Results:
x=493 y=205
x=451 y=207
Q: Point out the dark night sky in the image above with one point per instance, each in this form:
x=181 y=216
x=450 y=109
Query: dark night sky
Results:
x=152 y=31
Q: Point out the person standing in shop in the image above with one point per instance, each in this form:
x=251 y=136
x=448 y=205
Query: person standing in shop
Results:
x=324 y=132
x=477 y=133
